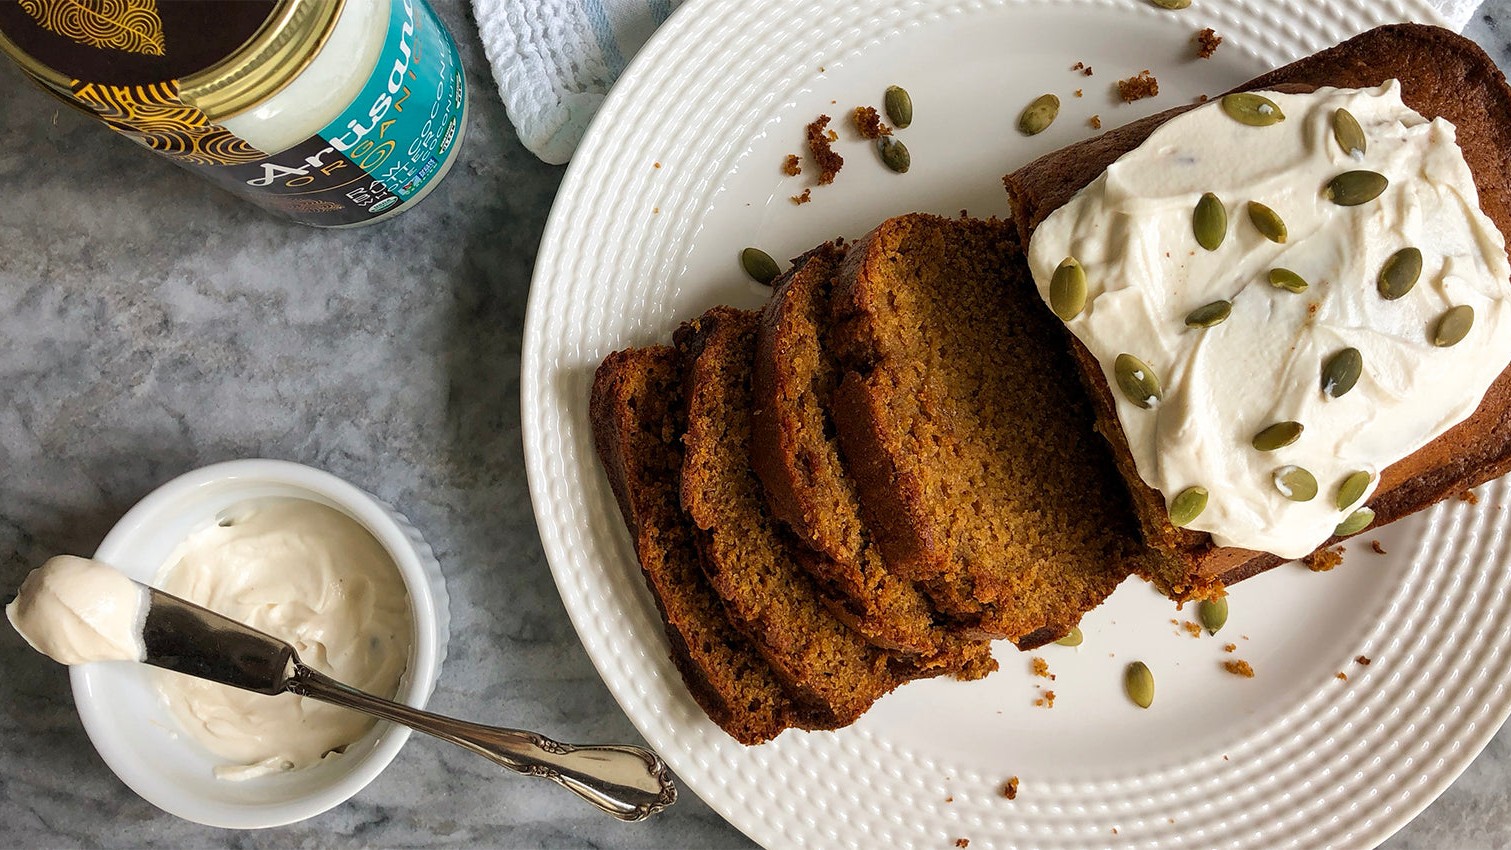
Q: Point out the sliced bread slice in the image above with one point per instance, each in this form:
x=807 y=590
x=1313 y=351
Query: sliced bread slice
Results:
x=638 y=421
x=970 y=440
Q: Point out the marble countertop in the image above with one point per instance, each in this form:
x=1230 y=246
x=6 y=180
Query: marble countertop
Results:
x=150 y=324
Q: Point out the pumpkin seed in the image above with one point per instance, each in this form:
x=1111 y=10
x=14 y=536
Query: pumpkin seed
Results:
x=1267 y=222
x=1208 y=315
x=1287 y=280
x=1139 y=683
x=1072 y=639
x=1352 y=489
x=1453 y=326
x=1213 y=614
x=1349 y=134
x=759 y=265
x=1352 y=188
x=894 y=154
x=1296 y=483
x=1210 y=221
x=1187 y=506
x=1278 y=436
x=1355 y=522
x=1172 y=4
x=1137 y=381
x=1037 y=116
x=899 y=105
x=1067 y=289
x=1252 y=109
x=1400 y=273
x=1341 y=372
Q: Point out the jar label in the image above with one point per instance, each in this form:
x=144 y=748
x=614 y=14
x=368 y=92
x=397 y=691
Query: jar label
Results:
x=386 y=146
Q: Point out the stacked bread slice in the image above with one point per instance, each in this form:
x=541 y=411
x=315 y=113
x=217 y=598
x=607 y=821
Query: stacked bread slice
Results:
x=864 y=483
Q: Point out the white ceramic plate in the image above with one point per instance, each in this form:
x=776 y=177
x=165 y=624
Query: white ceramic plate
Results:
x=682 y=169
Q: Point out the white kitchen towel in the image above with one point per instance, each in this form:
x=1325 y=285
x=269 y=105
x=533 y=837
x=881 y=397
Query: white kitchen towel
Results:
x=554 y=60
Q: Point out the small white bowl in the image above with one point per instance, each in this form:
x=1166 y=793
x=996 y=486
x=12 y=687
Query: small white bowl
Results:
x=131 y=725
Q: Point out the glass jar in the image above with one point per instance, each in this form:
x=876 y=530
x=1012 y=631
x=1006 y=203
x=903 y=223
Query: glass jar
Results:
x=334 y=113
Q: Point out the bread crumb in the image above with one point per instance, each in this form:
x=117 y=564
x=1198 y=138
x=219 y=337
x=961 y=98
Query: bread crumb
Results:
x=1362 y=660
x=656 y=164
x=1137 y=87
x=1046 y=701
x=1206 y=43
x=868 y=123
x=1041 y=668
x=1323 y=560
x=803 y=198
x=1468 y=496
x=792 y=166
x=1343 y=676
x=1375 y=545
x=1095 y=121
x=1192 y=629
x=1239 y=668
x=1230 y=647
x=1010 y=788
x=1078 y=92
x=819 y=144
x=962 y=842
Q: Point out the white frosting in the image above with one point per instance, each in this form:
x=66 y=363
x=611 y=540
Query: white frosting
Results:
x=1131 y=230
x=75 y=610
x=312 y=576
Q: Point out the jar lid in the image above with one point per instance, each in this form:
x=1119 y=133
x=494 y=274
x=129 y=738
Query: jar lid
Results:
x=224 y=56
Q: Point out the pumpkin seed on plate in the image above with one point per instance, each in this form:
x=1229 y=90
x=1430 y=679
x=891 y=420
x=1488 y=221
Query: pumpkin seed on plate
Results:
x=1400 y=273
x=1138 y=682
x=1067 y=289
x=759 y=265
x=1341 y=372
x=1352 y=488
x=899 y=105
x=1348 y=133
x=1213 y=614
x=1187 y=506
x=1267 y=222
x=894 y=154
x=1172 y=4
x=1355 y=522
x=1038 y=115
x=1296 y=483
x=1072 y=639
x=1208 y=315
x=1287 y=280
x=1278 y=436
x=1252 y=109
x=1137 y=381
x=1210 y=221
x=1453 y=326
x=1352 y=188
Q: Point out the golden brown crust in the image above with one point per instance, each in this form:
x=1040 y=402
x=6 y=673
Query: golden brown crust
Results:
x=1442 y=74
x=635 y=412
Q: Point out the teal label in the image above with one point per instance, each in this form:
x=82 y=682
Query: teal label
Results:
x=386 y=146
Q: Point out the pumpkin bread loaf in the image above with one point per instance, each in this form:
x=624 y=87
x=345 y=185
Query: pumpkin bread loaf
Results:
x=1443 y=75
x=794 y=452
x=638 y=420
x=969 y=438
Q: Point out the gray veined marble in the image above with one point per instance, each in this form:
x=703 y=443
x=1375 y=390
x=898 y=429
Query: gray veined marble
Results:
x=139 y=339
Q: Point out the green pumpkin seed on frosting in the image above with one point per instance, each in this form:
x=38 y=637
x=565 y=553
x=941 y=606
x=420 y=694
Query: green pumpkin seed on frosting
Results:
x=1352 y=488
x=1187 y=506
x=1278 y=436
x=1209 y=315
x=1267 y=222
x=1355 y=522
x=1067 y=289
x=1400 y=273
x=1341 y=372
x=1348 y=133
x=1287 y=280
x=1453 y=326
x=1352 y=188
x=1209 y=221
x=1296 y=483
x=1137 y=381
x=1252 y=109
